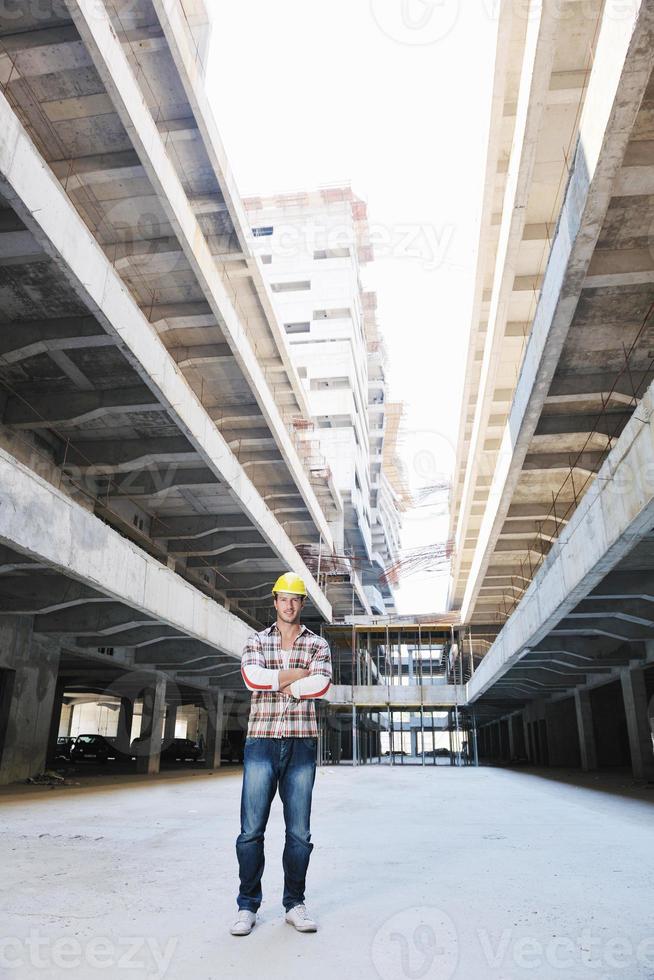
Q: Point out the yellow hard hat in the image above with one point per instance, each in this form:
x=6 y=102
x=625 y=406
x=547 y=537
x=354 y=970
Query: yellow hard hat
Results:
x=289 y=582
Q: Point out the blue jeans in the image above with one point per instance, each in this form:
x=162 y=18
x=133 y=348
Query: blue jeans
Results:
x=267 y=763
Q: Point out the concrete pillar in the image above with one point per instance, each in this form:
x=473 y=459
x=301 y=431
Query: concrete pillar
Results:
x=154 y=700
x=169 y=724
x=544 y=742
x=528 y=749
x=216 y=722
x=634 y=693
x=552 y=727
x=66 y=720
x=124 y=727
x=512 y=754
x=28 y=680
x=585 y=732
x=414 y=742
x=57 y=703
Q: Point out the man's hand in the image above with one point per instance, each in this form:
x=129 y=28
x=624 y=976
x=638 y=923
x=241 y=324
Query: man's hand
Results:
x=286 y=677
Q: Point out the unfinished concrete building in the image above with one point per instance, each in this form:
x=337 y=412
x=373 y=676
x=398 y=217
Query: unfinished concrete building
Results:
x=552 y=506
x=172 y=439
x=314 y=246
x=158 y=470
x=162 y=460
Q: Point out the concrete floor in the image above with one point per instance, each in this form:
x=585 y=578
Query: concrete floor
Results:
x=467 y=874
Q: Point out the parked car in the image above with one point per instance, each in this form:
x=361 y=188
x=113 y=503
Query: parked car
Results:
x=95 y=747
x=64 y=745
x=135 y=746
x=181 y=749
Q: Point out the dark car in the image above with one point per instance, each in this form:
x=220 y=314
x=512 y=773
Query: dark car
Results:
x=136 y=743
x=181 y=749
x=64 y=745
x=95 y=747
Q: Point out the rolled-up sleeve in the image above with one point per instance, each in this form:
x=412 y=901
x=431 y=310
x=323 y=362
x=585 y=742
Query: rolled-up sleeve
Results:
x=319 y=679
x=256 y=675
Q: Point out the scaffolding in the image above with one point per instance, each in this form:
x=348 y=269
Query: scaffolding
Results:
x=393 y=655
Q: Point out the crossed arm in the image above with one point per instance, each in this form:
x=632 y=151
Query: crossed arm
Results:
x=297 y=682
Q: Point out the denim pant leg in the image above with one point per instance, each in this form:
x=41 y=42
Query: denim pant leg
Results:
x=260 y=771
x=296 y=778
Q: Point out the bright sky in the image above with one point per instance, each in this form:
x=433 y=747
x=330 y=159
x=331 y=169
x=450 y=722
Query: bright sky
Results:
x=392 y=96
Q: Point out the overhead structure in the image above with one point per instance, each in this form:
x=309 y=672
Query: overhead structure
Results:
x=154 y=484
x=550 y=508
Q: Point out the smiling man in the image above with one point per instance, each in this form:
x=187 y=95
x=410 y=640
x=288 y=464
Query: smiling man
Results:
x=286 y=667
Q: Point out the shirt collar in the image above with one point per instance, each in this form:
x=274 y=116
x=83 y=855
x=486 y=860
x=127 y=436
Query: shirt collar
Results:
x=273 y=628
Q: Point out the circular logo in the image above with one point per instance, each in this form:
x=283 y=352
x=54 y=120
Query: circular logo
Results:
x=415 y=22
x=419 y=942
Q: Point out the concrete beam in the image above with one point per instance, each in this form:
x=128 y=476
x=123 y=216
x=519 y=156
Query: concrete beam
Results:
x=123 y=455
x=59 y=409
x=139 y=251
x=631 y=610
x=78 y=173
x=196 y=527
x=392 y=695
x=584 y=462
x=615 y=513
x=139 y=636
x=586 y=650
x=570 y=664
x=229 y=556
x=619 y=267
x=105 y=618
x=183 y=50
x=41 y=592
x=37 y=197
x=155 y=482
x=50 y=37
x=184 y=310
x=32 y=337
x=214 y=544
x=625 y=585
x=539 y=47
x=610 y=424
x=618 y=629
x=536 y=510
x=208 y=354
x=44 y=524
x=95 y=28
x=179 y=653
x=622 y=67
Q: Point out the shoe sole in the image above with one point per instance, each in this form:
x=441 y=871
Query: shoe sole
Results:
x=243 y=933
x=299 y=929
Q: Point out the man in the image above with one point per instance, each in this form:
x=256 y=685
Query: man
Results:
x=286 y=667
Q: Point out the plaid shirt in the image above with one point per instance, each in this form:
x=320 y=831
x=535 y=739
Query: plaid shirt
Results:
x=277 y=714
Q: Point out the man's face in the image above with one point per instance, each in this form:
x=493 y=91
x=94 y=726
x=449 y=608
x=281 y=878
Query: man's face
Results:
x=288 y=607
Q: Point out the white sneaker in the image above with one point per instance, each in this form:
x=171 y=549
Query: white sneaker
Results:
x=300 y=918
x=244 y=924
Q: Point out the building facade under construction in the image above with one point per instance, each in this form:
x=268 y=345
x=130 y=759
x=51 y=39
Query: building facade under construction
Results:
x=162 y=457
